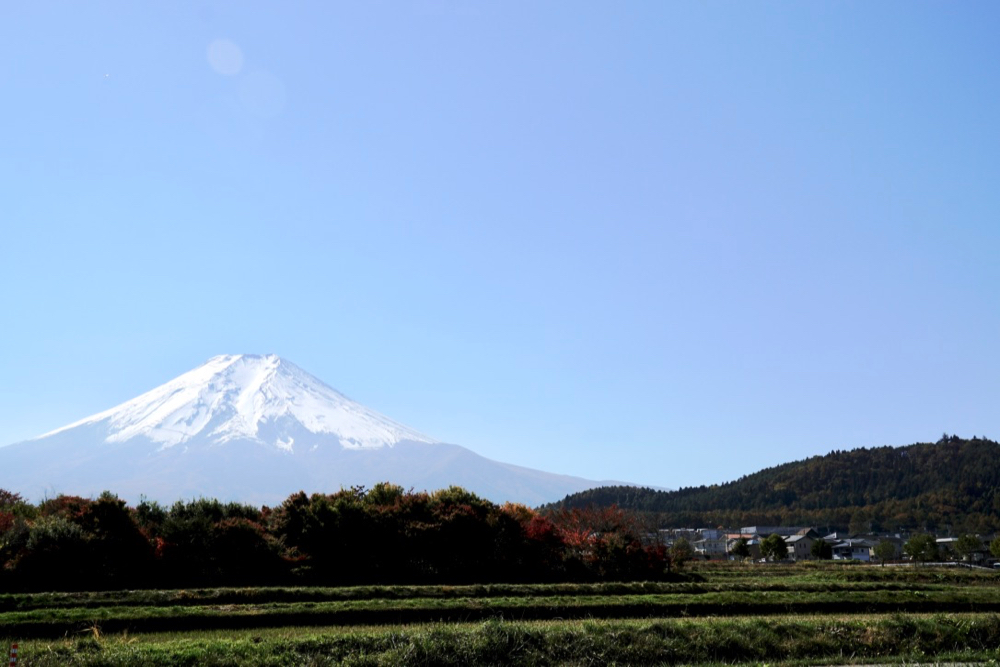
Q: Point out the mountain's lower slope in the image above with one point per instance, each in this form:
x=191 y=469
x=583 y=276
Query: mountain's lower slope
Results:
x=250 y=472
x=254 y=429
x=952 y=484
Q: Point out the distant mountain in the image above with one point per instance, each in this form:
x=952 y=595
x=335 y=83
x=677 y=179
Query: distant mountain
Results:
x=953 y=484
x=255 y=429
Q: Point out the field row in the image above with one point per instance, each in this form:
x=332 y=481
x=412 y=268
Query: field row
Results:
x=710 y=579
x=840 y=640
x=63 y=621
x=260 y=596
x=805 y=614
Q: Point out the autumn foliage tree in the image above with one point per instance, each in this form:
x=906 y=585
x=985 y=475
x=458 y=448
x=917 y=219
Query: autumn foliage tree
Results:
x=608 y=543
x=354 y=536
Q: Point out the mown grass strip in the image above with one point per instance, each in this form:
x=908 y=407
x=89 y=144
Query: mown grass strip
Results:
x=262 y=595
x=708 y=641
x=66 y=621
x=220 y=596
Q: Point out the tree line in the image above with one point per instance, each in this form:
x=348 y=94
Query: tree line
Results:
x=952 y=485
x=381 y=535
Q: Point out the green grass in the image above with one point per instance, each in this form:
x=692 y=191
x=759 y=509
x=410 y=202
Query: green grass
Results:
x=62 y=620
x=722 y=614
x=736 y=582
x=707 y=641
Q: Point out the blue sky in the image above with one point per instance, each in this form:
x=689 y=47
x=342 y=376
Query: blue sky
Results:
x=668 y=243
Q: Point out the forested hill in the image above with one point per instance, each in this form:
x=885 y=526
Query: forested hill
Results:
x=953 y=484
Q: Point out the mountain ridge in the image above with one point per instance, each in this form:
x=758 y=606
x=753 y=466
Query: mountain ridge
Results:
x=952 y=483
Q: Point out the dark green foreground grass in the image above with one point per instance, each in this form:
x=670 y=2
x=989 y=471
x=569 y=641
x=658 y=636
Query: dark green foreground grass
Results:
x=730 y=614
x=960 y=638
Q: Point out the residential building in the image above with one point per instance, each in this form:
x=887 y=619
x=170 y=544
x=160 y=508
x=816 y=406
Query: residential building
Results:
x=711 y=548
x=800 y=544
x=852 y=549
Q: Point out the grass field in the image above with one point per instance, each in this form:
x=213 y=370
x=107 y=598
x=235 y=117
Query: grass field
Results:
x=804 y=614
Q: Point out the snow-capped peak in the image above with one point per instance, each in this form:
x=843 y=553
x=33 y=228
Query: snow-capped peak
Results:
x=233 y=397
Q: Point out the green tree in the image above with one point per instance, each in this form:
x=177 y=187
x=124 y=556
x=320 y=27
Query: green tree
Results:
x=190 y=551
x=681 y=552
x=150 y=515
x=967 y=545
x=741 y=549
x=885 y=550
x=995 y=547
x=55 y=552
x=921 y=548
x=774 y=547
x=821 y=550
x=121 y=555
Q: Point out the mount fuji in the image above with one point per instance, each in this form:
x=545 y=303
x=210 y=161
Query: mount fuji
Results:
x=254 y=429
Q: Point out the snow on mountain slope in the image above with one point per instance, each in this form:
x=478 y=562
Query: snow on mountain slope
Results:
x=254 y=429
x=231 y=396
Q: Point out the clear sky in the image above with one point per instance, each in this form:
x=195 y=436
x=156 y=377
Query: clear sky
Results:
x=669 y=243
